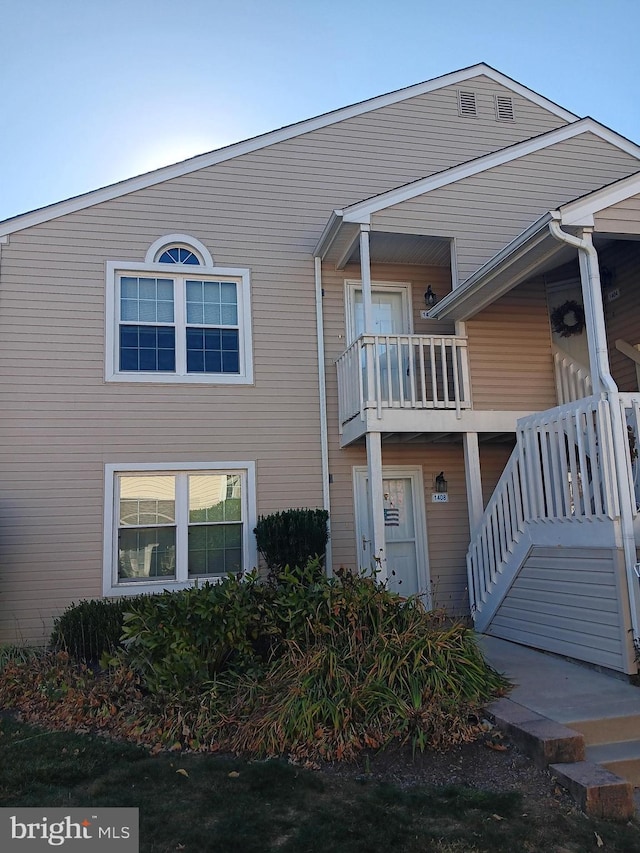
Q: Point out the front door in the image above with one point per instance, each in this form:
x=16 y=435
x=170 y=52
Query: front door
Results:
x=404 y=528
x=391 y=303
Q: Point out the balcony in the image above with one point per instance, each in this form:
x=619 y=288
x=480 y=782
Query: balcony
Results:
x=402 y=383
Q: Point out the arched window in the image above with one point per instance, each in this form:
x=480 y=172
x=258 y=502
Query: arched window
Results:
x=179 y=249
x=179 y=255
x=176 y=317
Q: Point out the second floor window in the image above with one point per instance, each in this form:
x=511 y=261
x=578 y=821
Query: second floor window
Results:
x=178 y=321
x=178 y=325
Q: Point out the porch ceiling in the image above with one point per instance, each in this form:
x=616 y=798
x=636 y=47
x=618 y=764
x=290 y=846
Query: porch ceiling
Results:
x=388 y=248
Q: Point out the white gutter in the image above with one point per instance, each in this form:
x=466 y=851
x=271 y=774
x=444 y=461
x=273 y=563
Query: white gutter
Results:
x=3 y=242
x=593 y=302
x=598 y=356
x=322 y=387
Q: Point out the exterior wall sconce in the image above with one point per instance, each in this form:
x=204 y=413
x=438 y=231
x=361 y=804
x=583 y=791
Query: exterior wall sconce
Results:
x=430 y=298
x=606 y=277
x=440 y=484
x=440 y=493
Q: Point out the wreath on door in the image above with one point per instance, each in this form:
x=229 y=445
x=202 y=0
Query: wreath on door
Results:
x=568 y=319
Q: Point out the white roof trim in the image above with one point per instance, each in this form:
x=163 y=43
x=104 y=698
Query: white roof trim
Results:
x=35 y=217
x=474 y=294
x=581 y=210
x=362 y=210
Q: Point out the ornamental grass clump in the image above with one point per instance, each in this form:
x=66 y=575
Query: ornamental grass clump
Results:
x=372 y=668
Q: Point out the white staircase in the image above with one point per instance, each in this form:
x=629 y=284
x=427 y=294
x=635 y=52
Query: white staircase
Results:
x=551 y=564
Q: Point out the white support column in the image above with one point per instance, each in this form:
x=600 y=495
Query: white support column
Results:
x=365 y=274
x=375 y=497
x=473 y=478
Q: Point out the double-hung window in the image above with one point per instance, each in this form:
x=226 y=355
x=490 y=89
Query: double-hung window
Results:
x=167 y=525
x=176 y=321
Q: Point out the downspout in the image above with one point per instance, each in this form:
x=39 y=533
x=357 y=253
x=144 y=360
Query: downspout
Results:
x=322 y=387
x=592 y=295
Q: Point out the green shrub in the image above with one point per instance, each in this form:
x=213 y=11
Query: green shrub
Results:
x=179 y=640
x=90 y=628
x=292 y=538
x=311 y=668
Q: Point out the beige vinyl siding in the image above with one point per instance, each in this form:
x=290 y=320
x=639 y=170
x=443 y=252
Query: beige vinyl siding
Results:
x=493 y=460
x=567 y=600
x=622 y=315
x=486 y=211
x=510 y=352
x=621 y=218
x=264 y=210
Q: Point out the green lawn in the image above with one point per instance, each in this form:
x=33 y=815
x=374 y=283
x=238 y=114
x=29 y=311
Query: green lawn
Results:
x=201 y=803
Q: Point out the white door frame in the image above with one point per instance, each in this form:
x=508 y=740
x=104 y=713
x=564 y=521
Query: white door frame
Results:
x=414 y=473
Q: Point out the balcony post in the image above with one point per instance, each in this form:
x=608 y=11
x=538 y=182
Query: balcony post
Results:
x=365 y=275
x=375 y=497
x=367 y=304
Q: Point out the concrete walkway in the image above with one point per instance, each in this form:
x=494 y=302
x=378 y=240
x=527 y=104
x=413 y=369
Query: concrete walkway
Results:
x=581 y=724
x=557 y=689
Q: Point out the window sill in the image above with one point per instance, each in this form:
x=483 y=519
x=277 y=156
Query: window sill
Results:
x=189 y=379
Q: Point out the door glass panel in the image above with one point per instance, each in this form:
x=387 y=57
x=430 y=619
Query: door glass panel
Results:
x=388 y=312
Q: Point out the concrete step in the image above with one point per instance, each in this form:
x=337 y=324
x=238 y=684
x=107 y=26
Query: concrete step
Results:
x=598 y=792
x=620 y=757
x=608 y=729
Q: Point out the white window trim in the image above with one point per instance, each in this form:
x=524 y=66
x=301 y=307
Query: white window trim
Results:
x=112 y=354
x=111 y=586
x=352 y=285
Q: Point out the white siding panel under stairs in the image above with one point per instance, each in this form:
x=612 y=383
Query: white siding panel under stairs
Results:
x=544 y=564
x=566 y=601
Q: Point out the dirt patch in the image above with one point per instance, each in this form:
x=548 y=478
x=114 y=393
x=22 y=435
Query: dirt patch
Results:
x=491 y=763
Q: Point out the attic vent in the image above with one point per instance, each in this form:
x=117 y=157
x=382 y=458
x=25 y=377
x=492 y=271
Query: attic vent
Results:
x=504 y=108
x=467 y=104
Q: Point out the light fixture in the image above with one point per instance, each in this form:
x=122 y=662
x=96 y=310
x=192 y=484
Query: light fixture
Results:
x=606 y=277
x=440 y=483
x=430 y=297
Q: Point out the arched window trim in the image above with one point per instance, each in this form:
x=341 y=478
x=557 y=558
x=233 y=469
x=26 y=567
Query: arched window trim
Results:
x=184 y=241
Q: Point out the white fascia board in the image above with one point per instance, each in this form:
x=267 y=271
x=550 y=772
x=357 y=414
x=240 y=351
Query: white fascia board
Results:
x=474 y=294
x=202 y=161
x=328 y=235
x=362 y=210
x=580 y=211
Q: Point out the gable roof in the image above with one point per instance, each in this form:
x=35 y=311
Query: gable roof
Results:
x=361 y=211
x=580 y=211
x=201 y=161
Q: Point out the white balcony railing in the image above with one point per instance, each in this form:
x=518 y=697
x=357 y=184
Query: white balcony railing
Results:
x=381 y=372
x=562 y=471
x=573 y=380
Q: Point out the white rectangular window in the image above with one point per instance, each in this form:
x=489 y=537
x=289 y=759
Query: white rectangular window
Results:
x=168 y=325
x=167 y=526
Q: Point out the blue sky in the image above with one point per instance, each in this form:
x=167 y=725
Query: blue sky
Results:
x=95 y=91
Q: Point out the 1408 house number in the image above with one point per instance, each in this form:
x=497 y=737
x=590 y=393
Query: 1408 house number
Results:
x=439 y=497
